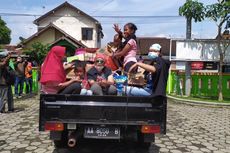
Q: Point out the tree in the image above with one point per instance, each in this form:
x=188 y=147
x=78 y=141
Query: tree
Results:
x=38 y=52
x=218 y=12
x=4 y=33
x=192 y=10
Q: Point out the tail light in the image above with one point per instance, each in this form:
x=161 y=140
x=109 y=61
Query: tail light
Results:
x=54 y=126
x=150 y=129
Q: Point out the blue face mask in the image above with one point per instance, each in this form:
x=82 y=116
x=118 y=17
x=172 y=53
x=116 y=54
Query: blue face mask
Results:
x=152 y=55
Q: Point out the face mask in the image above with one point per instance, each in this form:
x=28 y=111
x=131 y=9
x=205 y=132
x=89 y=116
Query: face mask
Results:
x=152 y=55
x=99 y=68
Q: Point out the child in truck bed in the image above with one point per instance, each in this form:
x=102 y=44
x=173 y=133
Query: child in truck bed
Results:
x=129 y=48
x=80 y=73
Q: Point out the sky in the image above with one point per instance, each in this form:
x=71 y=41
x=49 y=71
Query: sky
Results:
x=164 y=22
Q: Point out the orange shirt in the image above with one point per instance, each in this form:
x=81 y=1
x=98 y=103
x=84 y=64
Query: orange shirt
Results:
x=28 y=71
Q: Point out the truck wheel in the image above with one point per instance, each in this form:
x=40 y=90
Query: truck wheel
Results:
x=143 y=141
x=63 y=142
x=59 y=144
x=145 y=145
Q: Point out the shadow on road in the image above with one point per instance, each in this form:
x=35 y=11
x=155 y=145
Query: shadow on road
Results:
x=2 y=142
x=105 y=146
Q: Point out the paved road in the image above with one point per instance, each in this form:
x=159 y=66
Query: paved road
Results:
x=191 y=128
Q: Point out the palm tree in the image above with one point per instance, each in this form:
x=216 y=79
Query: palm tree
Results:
x=219 y=13
x=192 y=10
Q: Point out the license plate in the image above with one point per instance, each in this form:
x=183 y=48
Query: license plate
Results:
x=102 y=132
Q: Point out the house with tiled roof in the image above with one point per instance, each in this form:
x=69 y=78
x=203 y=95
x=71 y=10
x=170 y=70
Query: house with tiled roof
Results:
x=68 y=26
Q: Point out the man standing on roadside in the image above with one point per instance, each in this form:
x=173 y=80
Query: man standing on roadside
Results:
x=20 y=76
x=5 y=86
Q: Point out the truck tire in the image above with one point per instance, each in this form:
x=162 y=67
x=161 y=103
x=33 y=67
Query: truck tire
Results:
x=143 y=144
x=63 y=142
x=144 y=141
x=59 y=144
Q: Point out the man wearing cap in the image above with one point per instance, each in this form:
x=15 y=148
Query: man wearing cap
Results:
x=156 y=74
x=5 y=88
x=100 y=77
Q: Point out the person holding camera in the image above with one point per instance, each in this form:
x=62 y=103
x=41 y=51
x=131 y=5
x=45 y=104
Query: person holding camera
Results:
x=6 y=79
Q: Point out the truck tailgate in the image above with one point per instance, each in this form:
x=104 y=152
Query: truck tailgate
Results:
x=102 y=110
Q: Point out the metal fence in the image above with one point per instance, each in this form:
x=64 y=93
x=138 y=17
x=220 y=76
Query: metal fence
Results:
x=203 y=84
x=35 y=86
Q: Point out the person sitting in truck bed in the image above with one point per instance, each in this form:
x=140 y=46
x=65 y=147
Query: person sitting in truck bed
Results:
x=80 y=73
x=100 y=77
x=129 y=46
x=109 y=50
x=156 y=74
x=53 y=76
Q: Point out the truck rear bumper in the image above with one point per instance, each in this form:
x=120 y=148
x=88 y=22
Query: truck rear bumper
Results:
x=103 y=110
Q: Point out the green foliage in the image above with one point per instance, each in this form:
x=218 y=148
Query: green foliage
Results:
x=193 y=10
x=218 y=12
x=4 y=33
x=38 y=52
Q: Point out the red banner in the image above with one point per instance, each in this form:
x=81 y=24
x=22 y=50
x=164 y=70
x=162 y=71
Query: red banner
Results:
x=197 y=65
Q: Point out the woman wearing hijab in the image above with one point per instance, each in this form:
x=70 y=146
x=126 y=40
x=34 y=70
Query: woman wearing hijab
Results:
x=53 y=76
x=100 y=77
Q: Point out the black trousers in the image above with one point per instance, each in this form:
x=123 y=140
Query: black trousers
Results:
x=10 y=99
x=3 y=97
x=74 y=88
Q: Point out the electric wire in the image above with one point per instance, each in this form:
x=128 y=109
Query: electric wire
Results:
x=97 y=16
x=105 y=4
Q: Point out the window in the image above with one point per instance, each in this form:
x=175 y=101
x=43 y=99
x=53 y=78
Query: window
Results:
x=87 y=33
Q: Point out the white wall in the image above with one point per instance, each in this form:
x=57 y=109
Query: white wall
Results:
x=71 y=22
x=204 y=51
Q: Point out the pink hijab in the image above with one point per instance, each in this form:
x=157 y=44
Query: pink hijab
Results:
x=52 y=69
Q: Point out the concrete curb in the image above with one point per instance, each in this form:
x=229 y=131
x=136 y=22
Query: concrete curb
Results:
x=194 y=102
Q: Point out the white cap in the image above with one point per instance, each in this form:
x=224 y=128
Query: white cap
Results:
x=156 y=47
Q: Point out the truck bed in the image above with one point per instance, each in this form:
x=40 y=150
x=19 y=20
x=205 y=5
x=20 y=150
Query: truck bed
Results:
x=112 y=110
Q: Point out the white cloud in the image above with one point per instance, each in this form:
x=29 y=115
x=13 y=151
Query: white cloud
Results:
x=162 y=35
x=23 y=26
